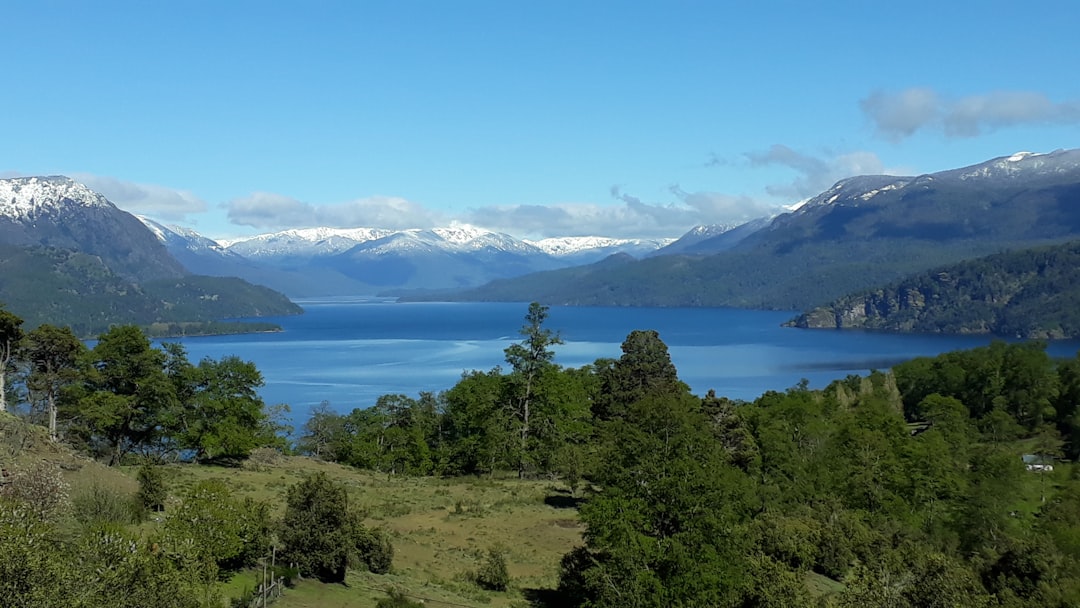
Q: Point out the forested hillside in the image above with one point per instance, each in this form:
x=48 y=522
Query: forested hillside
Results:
x=1032 y=293
x=61 y=286
x=927 y=485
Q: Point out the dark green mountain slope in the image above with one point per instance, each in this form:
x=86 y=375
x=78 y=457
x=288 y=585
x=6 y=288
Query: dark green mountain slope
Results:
x=1034 y=293
x=68 y=256
x=862 y=232
x=63 y=287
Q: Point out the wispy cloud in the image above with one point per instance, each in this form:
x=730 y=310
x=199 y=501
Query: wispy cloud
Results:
x=630 y=217
x=897 y=115
x=160 y=202
x=269 y=211
x=814 y=173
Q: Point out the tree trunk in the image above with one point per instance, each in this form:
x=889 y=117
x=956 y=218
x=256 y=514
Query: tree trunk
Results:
x=52 y=417
x=3 y=385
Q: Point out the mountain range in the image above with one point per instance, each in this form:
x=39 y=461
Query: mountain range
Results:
x=863 y=232
x=70 y=257
x=372 y=261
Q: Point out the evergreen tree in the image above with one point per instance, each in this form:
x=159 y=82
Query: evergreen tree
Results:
x=53 y=355
x=11 y=335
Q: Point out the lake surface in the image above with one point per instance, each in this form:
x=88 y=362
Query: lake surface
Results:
x=349 y=351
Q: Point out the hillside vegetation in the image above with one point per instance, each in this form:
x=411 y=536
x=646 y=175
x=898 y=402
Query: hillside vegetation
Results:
x=609 y=485
x=1032 y=293
x=61 y=286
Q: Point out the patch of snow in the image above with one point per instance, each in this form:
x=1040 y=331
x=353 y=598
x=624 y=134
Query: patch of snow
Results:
x=569 y=245
x=25 y=198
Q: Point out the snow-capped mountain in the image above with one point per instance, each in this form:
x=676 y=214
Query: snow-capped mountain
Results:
x=303 y=242
x=198 y=254
x=369 y=260
x=457 y=238
x=59 y=212
x=316 y=242
x=714 y=238
x=588 y=249
x=1034 y=169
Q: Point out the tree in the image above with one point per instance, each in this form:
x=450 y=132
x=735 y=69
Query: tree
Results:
x=645 y=368
x=53 y=355
x=492 y=574
x=320 y=431
x=11 y=334
x=225 y=416
x=152 y=491
x=126 y=394
x=320 y=533
x=478 y=438
x=529 y=359
x=215 y=532
x=663 y=530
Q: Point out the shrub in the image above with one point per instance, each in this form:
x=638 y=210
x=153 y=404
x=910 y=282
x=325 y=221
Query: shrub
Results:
x=493 y=574
x=261 y=459
x=217 y=531
x=40 y=488
x=374 y=549
x=323 y=537
x=104 y=505
x=152 y=490
x=397 y=599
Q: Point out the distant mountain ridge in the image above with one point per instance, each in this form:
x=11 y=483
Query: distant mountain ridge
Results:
x=348 y=261
x=71 y=257
x=57 y=211
x=862 y=232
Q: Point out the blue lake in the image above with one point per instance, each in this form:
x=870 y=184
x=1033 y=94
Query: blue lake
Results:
x=349 y=352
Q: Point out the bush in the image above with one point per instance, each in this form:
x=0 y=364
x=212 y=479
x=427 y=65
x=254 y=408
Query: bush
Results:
x=397 y=599
x=152 y=490
x=374 y=549
x=261 y=459
x=218 y=532
x=40 y=488
x=103 y=505
x=493 y=574
x=323 y=537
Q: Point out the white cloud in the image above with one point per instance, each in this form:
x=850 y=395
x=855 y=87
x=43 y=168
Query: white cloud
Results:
x=970 y=116
x=897 y=115
x=814 y=173
x=269 y=211
x=631 y=219
x=160 y=202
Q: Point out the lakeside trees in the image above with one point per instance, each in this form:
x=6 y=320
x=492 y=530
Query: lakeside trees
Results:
x=906 y=488
x=903 y=488
x=126 y=396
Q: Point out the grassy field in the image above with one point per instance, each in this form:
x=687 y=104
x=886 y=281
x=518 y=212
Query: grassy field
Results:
x=441 y=528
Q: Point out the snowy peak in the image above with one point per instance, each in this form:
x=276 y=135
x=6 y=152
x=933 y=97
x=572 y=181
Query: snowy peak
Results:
x=859 y=188
x=304 y=242
x=1035 y=167
x=461 y=233
x=186 y=238
x=1022 y=164
x=574 y=245
x=459 y=238
x=26 y=198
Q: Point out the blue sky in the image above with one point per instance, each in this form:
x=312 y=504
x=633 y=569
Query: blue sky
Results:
x=531 y=118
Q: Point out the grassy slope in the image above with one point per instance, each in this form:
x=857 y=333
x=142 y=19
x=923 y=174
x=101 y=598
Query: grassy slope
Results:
x=440 y=530
x=440 y=527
